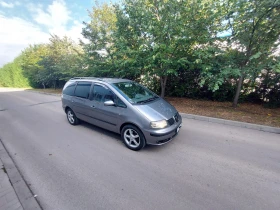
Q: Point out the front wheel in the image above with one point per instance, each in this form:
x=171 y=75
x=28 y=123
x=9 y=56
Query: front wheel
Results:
x=71 y=117
x=133 y=137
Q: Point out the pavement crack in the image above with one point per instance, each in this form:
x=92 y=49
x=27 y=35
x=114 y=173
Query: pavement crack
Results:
x=2 y=110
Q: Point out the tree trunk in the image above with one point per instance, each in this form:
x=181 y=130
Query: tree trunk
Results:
x=163 y=80
x=237 y=92
x=44 y=85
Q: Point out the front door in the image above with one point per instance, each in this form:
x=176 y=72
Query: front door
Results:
x=107 y=117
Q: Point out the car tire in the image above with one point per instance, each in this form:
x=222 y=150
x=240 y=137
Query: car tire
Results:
x=71 y=117
x=133 y=138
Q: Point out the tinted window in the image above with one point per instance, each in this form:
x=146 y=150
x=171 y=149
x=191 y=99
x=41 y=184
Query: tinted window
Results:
x=69 y=90
x=83 y=89
x=102 y=94
x=119 y=102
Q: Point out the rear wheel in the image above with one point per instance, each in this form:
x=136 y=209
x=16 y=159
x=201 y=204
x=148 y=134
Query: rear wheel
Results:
x=133 y=138
x=71 y=117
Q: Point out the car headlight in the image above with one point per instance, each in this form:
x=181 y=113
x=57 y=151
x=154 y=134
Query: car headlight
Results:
x=159 y=124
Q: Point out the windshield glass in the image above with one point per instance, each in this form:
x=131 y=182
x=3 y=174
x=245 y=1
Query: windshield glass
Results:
x=134 y=92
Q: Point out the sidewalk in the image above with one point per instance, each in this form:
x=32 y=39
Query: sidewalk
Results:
x=8 y=197
x=14 y=192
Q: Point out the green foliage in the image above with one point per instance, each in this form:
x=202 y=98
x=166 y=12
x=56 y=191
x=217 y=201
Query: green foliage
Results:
x=98 y=51
x=45 y=65
x=50 y=65
x=265 y=87
x=187 y=84
x=11 y=75
x=31 y=58
x=156 y=37
x=255 y=29
x=269 y=88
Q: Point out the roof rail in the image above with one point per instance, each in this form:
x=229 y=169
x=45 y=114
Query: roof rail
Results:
x=84 y=78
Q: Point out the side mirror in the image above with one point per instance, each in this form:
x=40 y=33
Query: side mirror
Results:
x=109 y=103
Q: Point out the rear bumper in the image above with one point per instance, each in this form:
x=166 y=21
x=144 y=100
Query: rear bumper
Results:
x=162 y=136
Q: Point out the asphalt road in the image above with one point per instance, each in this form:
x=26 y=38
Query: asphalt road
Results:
x=207 y=166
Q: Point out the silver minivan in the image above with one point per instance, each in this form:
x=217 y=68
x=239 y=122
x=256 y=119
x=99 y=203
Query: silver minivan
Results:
x=122 y=106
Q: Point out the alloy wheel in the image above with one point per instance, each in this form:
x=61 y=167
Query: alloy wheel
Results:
x=132 y=138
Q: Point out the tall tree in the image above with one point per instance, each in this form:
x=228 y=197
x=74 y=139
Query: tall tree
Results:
x=99 y=33
x=161 y=36
x=31 y=57
x=63 y=61
x=255 y=29
x=48 y=65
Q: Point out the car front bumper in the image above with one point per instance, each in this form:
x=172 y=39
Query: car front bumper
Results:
x=162 y=136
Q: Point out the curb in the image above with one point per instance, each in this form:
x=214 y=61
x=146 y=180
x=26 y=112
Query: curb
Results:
x=22 y=190
x=232 y=123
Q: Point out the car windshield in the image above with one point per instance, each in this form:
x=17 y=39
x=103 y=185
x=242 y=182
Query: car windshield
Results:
x=135 y=93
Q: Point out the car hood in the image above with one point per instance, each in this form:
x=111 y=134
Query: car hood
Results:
x=157 y=110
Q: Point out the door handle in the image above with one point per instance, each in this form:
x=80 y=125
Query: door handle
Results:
x=92 y=106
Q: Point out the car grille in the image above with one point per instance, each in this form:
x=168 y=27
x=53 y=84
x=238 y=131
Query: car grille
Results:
x=176 y=117
x=173 y=119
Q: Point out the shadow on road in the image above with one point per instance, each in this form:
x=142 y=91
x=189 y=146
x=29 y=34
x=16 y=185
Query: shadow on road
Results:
x=113 y=135
x=117 y=137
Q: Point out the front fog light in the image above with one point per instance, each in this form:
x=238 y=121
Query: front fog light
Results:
x=159 y=124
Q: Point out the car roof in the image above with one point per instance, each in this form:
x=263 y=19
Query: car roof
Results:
x=100 y=79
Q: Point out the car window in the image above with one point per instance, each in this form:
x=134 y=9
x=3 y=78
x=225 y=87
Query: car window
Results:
x=119 y=102
x=69 y=90
x=83 y=89
x=102 y=94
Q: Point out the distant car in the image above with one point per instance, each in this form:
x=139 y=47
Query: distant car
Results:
x=122 y=106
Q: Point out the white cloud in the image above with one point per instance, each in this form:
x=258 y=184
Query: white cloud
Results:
x=75 y=31
x=15 y=35
x=7 y=5
x=56 y=18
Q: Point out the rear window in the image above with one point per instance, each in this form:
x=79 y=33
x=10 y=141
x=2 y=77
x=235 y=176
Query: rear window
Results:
x=83 y=89
x=69 y=90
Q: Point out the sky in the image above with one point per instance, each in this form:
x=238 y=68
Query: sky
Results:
x=25 y=22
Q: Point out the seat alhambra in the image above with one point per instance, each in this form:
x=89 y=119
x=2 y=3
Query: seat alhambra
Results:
x=122 y=106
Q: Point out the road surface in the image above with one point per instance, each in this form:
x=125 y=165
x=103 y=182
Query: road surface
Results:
x=207 y=166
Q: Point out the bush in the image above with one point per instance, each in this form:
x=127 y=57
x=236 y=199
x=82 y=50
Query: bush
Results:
x=253 y=97
x=11 y=76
